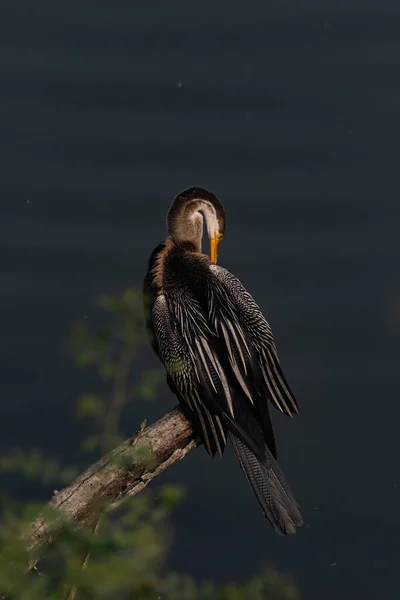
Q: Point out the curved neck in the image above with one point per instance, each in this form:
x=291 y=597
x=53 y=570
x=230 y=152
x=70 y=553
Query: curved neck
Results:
x=185 y=223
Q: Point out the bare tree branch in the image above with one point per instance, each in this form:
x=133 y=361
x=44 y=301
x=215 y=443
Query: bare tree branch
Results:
x=125 y=471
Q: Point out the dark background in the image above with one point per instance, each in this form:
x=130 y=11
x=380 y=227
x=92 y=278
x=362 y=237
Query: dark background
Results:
x=289 y=112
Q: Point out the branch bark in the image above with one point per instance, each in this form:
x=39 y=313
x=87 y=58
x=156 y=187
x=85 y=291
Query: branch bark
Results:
x=123 y=472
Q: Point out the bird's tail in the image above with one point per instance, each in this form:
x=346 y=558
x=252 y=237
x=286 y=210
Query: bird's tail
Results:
x=270 y=487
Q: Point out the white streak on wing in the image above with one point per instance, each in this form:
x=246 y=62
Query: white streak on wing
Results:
x=193 y=356
x=203 y=425
x=281 y=381
x=204 y=361
x=220 y=372
x=218 y=420
x=275 y=400
x=238 y=346
x=272 y=383
x=234 y=364
x=216 y=437
x=240 y=331
x=201 y=407
x=227 y=343
x=274 y=350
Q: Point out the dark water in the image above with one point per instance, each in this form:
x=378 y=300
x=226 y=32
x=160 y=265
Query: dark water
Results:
x=289 y=111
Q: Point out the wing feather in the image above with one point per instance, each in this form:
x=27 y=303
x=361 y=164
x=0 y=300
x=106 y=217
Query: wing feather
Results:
x=217 y=346
x=233 y=306
x=193 y=370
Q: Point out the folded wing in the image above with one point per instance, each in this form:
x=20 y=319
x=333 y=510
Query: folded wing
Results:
x=249 y=340
x=198 y=373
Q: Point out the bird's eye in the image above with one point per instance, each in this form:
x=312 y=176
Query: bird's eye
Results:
x=220 y=237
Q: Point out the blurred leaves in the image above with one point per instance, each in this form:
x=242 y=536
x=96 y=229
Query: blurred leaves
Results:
x=32 y=464
x=171 y=496
x=112 y=350
x=90 y=405
x=124 y=557
x=100 y=349
x=147 y=388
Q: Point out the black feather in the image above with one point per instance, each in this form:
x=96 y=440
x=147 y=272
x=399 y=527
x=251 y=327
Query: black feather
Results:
x=222 y=364
x=270 y=488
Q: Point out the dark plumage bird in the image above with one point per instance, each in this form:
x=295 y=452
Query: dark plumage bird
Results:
x=218 y=351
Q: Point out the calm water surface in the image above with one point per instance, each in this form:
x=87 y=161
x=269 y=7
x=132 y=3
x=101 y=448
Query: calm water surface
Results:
x=289 y=111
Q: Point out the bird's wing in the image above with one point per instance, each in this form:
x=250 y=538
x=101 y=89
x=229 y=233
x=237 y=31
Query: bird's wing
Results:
x=181 y=339
x=249 y=340
x=150 y=293
x=191 y=353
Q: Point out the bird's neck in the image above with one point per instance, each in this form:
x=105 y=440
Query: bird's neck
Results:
x=190 y=246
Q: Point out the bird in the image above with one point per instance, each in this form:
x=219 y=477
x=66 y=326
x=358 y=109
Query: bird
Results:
x=218 y=351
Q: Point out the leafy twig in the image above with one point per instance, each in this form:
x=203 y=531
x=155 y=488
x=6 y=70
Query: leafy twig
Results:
x=124 y=472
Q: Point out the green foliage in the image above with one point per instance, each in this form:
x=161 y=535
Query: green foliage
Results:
x=148 y=385
x=123 y=555
x=112 y=351
x=34 y=465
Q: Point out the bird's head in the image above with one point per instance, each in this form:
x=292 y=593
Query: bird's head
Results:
x=185 y=221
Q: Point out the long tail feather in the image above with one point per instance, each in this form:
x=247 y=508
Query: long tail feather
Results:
x=270 y=487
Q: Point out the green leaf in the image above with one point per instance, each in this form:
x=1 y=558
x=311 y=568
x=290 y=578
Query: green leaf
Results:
x=90 y=405
x=172 y=495
x=149 y=384
x=91 y=443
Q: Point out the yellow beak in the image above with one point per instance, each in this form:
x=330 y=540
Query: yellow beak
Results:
x=214 y=241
